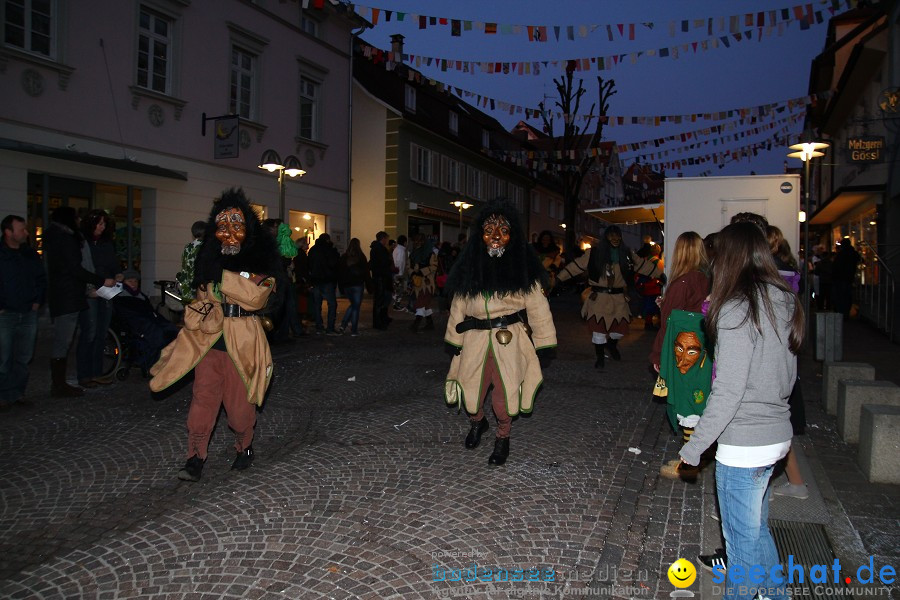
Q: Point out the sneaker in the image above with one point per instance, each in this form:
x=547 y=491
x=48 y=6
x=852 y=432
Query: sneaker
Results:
x=192 y=470
x=354 y=334
x=711 y=562
x=341 y=330
x=331 y=332
x=800 y=492
x=320 y=331
x=243 y=459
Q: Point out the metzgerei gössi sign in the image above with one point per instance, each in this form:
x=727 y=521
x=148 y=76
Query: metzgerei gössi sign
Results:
x=865 y=149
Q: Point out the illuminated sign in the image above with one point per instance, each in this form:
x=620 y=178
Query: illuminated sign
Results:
x=866 y=149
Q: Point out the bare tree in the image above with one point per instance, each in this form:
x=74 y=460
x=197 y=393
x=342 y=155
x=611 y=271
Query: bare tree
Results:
x=572 y=141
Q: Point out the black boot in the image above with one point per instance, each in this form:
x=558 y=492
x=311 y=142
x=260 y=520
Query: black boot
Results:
x=192 y=470
x=429 y=323
x=613 y=351
x=416 y=324
x=58 y=386
x=501 y=452
x=243 y=459
x=478 y=428
x=598 y=350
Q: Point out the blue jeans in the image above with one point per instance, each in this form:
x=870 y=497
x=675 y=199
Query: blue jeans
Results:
x=93 y=324
x=17 y=334
x=325 y=291
x=354 y=293
x=744 y=507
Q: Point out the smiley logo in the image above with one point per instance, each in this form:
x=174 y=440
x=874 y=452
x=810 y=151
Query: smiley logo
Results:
x=682 y=573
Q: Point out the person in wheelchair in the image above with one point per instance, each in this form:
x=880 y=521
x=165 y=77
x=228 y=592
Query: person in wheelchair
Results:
x=150 y=330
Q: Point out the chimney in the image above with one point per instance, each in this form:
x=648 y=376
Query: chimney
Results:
x=397 y=47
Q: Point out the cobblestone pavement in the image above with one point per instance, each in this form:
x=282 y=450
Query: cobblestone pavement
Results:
x=361 y=486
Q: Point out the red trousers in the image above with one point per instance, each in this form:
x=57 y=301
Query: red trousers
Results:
x=217 y=382
x=491 y=378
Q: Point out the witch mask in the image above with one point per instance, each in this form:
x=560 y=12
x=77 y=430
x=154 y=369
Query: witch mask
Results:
x=687 y=350
x=495 y=233
x=231 y=230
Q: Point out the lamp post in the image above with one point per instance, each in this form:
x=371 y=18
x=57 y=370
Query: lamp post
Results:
x=806 y=151
x=271 y=162
x=461 y=206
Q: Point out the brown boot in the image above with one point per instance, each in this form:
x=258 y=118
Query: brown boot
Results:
x=58 y=386
x=429 y=323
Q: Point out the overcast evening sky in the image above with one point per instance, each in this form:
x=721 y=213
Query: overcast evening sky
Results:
x=748 y=73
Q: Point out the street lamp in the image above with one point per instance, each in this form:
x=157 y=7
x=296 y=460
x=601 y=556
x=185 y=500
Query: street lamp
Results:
x=461 y=206
x=806 y=151
x=271 y=162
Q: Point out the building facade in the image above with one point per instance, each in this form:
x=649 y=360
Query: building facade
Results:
x=111 y=116
x=417 y=150
x=856 y=187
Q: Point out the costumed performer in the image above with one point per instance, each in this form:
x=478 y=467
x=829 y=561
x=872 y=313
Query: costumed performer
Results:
x=223 y=338
x=610 y=268
x=500 y=327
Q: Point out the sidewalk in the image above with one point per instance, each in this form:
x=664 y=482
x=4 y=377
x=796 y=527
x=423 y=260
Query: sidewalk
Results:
x=361 y=486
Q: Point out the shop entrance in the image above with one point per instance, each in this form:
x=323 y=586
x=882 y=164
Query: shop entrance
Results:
x=121 y=202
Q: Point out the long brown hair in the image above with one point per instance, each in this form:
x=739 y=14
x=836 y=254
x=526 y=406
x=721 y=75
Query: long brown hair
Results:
x=744 y=270
x=779 y=247
x=689 y=255
x=354 y=253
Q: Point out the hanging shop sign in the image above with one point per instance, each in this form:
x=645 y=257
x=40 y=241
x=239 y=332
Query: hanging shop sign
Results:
x=866 y=149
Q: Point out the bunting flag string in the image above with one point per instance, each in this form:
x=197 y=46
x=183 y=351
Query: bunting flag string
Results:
x=803 y=13
x=735 y=137
x=590 y=63
x=577 y=155
x=780 y=138
x=719 y=129
x=480 y=101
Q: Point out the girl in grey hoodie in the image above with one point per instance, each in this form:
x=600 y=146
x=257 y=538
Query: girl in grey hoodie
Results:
x=755 y=325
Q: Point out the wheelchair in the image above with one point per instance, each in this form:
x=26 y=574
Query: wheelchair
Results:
x=123 y=349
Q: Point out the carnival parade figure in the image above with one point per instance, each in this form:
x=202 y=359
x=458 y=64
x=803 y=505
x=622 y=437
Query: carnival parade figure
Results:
x=421 y=269
x=609 y=266
x=500 y=328
x=223 y=338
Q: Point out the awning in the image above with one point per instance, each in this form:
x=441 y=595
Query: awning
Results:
x=843 y=201
x=451 y=216
x=92 y=159
x=630 y=215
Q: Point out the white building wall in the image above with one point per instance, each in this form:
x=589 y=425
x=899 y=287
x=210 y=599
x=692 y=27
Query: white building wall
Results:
x=87 y=103
x=367 y=188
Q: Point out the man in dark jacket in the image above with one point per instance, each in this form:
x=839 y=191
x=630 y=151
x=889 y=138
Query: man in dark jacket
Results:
x=382 y=266
x=323 y=264
x=23 y=287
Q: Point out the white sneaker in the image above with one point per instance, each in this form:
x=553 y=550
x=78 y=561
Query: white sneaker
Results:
x=800 y=492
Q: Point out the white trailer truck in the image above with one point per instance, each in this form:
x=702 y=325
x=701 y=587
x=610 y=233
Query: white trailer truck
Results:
x=706 y=204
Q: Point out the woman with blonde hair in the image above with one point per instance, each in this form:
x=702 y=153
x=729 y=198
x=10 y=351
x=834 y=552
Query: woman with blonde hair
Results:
x=687 y=289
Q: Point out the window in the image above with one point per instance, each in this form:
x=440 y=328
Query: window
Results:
x=410 y=98
x=28 y=25
x=154 y=47
x=310 y=26
x=535 y=203
x=450 y=171
x=243 y=82
x=454 y=123
x=309 y=108
x=515 y=194
x=485 y=138
x=475 y=179
x=424 y=165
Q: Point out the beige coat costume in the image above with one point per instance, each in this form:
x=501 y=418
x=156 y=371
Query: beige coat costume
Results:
x=517 y=362
x=427 y=282
x=245 y=339
x=599 y=305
